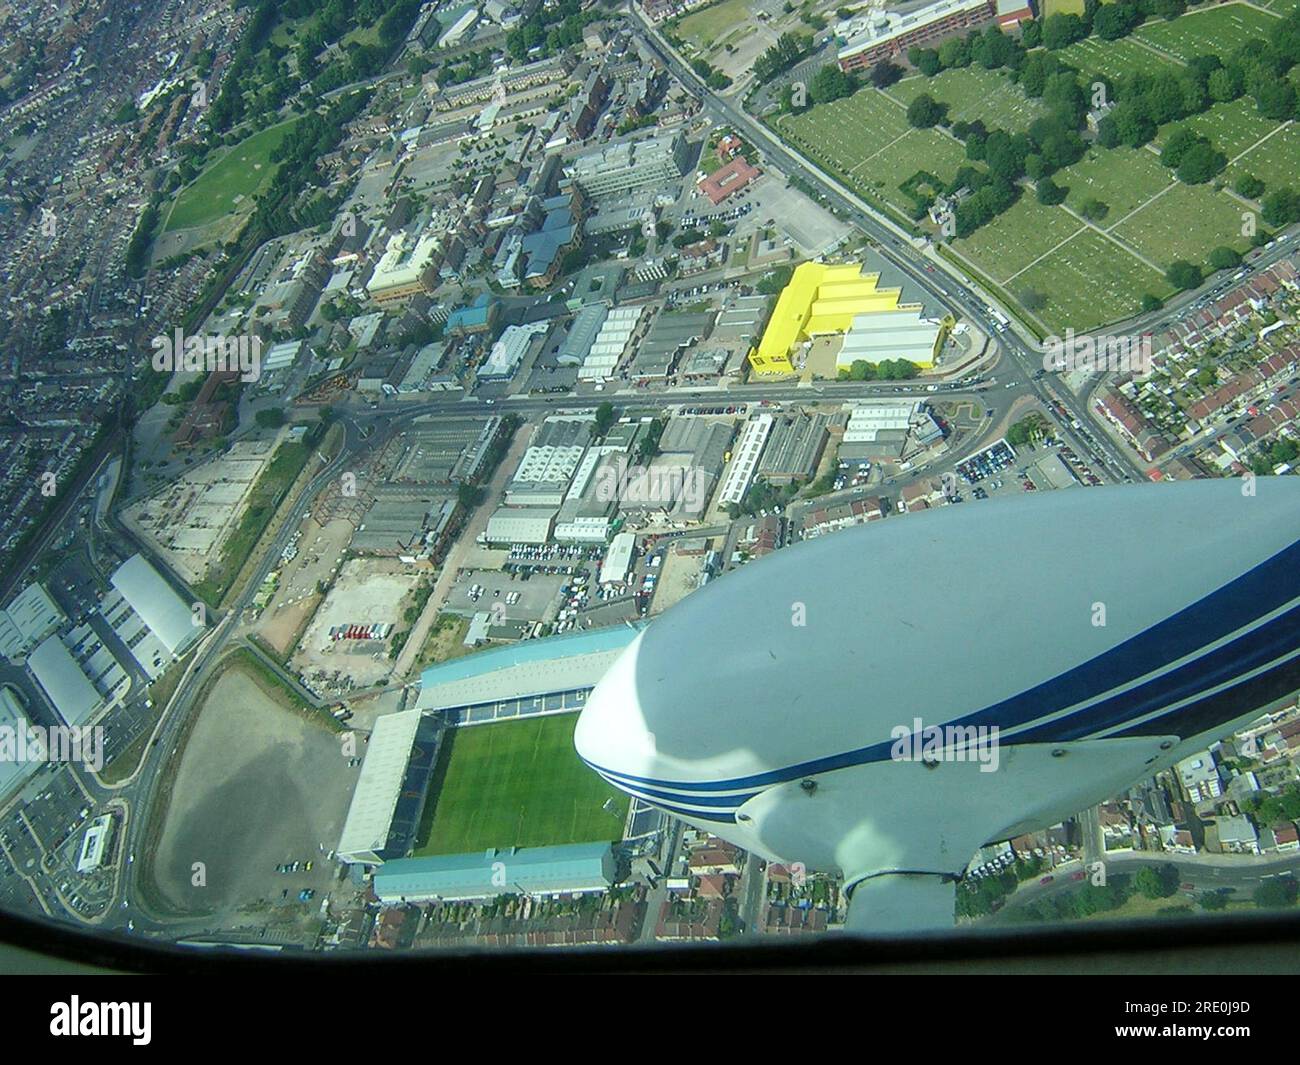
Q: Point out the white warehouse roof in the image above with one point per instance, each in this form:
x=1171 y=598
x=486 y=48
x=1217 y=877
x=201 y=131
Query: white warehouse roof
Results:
x=63 y=681
x=31 y=615
x=166 y=613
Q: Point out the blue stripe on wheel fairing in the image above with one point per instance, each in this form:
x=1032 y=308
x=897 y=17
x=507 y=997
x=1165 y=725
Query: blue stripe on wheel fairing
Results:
x=1227 y=705
x=727 y=816
x=1268 y=586
x=1234 y=659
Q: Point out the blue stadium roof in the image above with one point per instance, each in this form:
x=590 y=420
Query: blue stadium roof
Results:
x=570 y=644
x=532 y=869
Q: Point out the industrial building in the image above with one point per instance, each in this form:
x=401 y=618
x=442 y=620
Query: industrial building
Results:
x=820 y=300
x=590 y=509
x=510 y=349
x=391 y=789
x=170 y=621
x=61 y=678
x=618 y=559
x=744 y=459
x=881 y=430
x=416 y=528
x=680 y=480
x=584 y=329
x=633 y=164
x=573 y=869
x=29 y=618
x=13 y=720
x=611 y=343
x=668 y=336
x=550 y=461
x=795 y=448
x=896 y=334
x=520 y=525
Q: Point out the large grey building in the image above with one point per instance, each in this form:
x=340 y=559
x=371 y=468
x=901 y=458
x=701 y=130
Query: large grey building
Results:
x=630 y=165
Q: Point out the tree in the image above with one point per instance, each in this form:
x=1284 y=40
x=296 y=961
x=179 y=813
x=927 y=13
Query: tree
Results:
x=1281 y=207
x=1224 y=258
x=270 y=417
x=1200 y=163
x=1276 y=100
x=830 y=83
x=885 y=73
x=1032 y=300
x=1114 y=21
x=1061 y=31
x=1050 y=193
x=1006 y=155
x=924 y=112
x=1225 y=85
x=1179 y=142
x=954 y=52
x=1249 y=186
x=1151 y=303
x=926 y=60
x=604 y=419
x=1156 y=882
x=1133 y=127
x=1094 y=210
x=1277 y=893
x=1213 y=900
x=1183 y=275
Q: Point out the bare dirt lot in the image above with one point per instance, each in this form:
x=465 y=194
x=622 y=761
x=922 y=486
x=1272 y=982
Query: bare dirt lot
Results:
x=367 y=592
x=296 y=598
x=258 y=785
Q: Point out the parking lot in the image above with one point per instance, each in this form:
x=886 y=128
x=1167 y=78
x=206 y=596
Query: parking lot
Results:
x=519 y=596
x=987 y=464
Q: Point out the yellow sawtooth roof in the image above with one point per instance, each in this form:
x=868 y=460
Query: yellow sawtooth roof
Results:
x=822 y=299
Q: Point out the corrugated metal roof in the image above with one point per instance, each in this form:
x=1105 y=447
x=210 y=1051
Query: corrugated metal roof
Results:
x=380 y=784
x=570 y=644
x=166 y=613
x=491 y=872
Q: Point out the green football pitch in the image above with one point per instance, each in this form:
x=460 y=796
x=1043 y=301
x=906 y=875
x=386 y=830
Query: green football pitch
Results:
x=517 y=784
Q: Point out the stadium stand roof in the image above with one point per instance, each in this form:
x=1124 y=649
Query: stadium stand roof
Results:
x=530 y=667
x=386 y=804
x=532 y=870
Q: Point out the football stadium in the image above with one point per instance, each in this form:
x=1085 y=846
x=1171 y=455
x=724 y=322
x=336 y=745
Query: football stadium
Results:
x=484 y=762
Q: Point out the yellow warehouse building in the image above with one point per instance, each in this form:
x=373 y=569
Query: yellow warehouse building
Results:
x=821 y=299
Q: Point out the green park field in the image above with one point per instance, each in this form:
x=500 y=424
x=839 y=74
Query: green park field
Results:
x=229 y=183
x=703 y=28
x=517 y=784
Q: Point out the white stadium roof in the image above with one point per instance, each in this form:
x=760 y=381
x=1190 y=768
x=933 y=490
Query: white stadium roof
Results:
x=365 y=832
